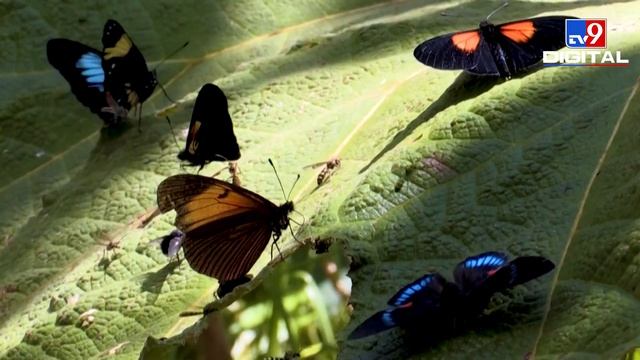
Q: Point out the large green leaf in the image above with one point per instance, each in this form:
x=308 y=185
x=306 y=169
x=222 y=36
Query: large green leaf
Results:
x=435 y=166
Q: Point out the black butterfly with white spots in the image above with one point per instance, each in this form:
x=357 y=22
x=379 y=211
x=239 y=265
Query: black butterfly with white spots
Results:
x=447 y=305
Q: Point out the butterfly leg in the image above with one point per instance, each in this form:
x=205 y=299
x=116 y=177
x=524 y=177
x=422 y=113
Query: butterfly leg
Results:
x=216 y=173
x=139 y=110
x=275 y=243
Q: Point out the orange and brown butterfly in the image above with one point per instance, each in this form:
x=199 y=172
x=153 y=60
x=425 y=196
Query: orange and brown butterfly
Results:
x=227 y=227
x=328 y=169
x=497 y=50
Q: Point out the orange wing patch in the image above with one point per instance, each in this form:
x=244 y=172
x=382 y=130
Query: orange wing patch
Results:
x=120 y=49
x=193 y=132
x=520 y=32
x=132 y=97
x=212 y=205
x=466 y=41
x=199 y=200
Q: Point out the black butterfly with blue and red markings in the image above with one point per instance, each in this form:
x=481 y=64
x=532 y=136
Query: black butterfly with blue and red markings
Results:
x=501 y=50
x=108 y=82
x=446 y=305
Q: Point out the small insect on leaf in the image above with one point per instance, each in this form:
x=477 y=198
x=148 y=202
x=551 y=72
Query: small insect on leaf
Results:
x=87 y=318
x=109 y=248
x=171 y=243
x=329 y=167
x=234 y=171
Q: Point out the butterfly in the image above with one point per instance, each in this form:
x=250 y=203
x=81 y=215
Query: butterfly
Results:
x=170 y=244
x=210 y=136
x=226 y=226
x=108 y=82
x=499 y=50
x=446 y=305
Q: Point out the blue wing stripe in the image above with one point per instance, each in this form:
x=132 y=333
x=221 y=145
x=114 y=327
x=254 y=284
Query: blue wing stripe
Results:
x=488 y=260
x=98 y=79
x=411 y=290
x=387 y=320
x=91 y=66
x=93 y=71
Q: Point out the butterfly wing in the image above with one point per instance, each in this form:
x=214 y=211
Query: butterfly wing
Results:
x=465 y=50
x=521 y=270
x=227 y=227
x=82 y=67
x=524 y=41
x=229 y=253
x=211 y=136
x=378 y=322
x=128 y=79
x=429 y=286
x=416 y=301
x=473 y=271
x=483 y=275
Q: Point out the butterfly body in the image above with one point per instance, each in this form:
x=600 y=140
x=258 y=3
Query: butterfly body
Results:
x=211 y=136
x=450 y=306
x=501 y=50
x=226 y=226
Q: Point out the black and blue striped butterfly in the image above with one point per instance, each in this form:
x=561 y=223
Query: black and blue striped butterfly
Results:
x=446 y=305
x=108 y=82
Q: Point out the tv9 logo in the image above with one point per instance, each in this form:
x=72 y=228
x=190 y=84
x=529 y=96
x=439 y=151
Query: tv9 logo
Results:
x=586 y=33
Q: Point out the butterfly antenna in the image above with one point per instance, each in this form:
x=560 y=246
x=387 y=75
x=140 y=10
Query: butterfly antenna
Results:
x=293 y=186
x=155 y=70
x=278 y=177
x=163 y=89
x=170 y=55
x=173 y=133
x=506 y=3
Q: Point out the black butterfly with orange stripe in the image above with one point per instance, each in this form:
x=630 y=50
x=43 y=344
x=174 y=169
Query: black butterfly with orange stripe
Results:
x=210 y=136
x=226 y=226
x=498 y=50
x=108 y=82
